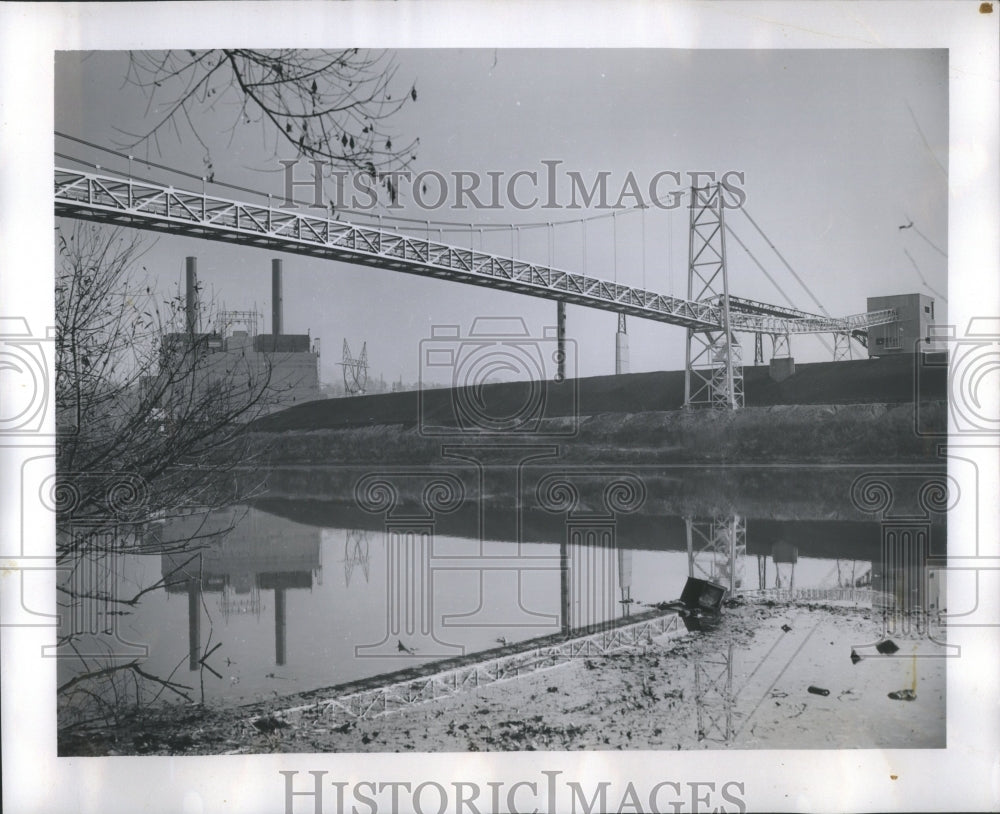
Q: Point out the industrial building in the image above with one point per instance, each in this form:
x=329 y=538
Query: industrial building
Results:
x=236 y=361
x=910 y=333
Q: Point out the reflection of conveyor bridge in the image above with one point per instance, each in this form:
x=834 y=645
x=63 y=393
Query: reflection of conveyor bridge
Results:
x=490 y=668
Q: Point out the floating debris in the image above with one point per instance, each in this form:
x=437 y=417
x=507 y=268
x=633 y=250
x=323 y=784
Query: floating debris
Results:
x=855 y=658
x=903 y=695
x=786 y=628
x=887 y=647
x=818 y=690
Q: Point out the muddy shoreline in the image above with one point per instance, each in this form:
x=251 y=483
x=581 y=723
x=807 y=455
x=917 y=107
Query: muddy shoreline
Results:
x=663 y=695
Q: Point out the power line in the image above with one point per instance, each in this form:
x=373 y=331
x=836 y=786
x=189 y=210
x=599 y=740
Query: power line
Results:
x=922 y=278
x=927 y=240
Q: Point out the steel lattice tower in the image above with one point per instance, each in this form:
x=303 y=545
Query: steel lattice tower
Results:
x=713 y=366
x=355 y=370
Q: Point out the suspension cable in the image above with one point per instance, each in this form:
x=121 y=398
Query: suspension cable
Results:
x=786 y=263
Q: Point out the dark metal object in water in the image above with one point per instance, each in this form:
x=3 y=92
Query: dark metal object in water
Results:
x=700 y=593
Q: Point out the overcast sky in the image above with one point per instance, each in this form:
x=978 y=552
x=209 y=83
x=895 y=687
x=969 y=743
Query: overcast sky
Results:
x=838 y=149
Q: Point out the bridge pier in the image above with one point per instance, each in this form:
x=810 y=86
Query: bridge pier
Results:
x=560 y=341
x=621 y=347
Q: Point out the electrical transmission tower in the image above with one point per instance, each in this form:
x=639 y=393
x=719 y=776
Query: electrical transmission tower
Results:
x=355 y=370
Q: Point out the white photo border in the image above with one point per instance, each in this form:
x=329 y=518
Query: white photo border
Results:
x=961 y=777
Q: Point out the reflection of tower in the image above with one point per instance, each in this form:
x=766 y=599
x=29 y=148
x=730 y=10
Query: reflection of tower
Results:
x=409 y=540
x=713 y=695
x=356 y=552
x=716 y=548
x=355 y=370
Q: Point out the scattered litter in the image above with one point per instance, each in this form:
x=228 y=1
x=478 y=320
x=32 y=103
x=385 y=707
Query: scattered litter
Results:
x=887 y=647
x=269 y=724
x=818 y=690
x=903 y=695
x=797 y=714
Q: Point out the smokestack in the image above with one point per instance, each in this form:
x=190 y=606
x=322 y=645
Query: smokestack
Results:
x=276 y=297
x=191 y=291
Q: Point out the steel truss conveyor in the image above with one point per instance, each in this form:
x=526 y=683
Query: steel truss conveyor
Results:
x=145 y=205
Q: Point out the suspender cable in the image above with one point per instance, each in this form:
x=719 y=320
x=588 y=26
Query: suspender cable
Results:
x=644 y=248
x=614 y=240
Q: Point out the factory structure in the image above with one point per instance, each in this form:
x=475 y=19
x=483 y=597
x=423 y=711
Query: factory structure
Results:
x=911 y=332
x=235 y=360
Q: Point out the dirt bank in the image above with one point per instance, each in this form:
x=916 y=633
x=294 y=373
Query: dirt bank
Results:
x=742 y=685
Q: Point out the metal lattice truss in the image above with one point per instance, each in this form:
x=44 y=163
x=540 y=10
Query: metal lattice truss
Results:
x=401 y=695
x=227 y=319
x=145 y=205
x=716 y=548
x=781 y=346
x=861 y=596
x=713 y=367
x=842 y=348
x=760 y=317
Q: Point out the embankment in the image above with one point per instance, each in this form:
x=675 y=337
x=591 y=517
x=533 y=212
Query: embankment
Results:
x=857 y=411
x=777 y=434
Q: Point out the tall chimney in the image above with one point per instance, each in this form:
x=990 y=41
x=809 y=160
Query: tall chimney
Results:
x=191 y=291
x=276 y=297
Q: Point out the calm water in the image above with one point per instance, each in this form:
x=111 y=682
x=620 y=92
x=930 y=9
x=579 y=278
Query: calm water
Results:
x=300 y=594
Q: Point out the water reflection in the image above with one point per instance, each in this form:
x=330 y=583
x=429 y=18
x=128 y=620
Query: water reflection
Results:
x=247 y=551
x=428 y=575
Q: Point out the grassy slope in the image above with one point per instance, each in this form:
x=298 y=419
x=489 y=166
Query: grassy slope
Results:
x=832 y=411
x=800 y=433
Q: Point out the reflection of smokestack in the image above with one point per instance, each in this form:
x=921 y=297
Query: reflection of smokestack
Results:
x=194 y=620
x=564 y=606
x=279 y=623
x=191 y=290
x=276 y=297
